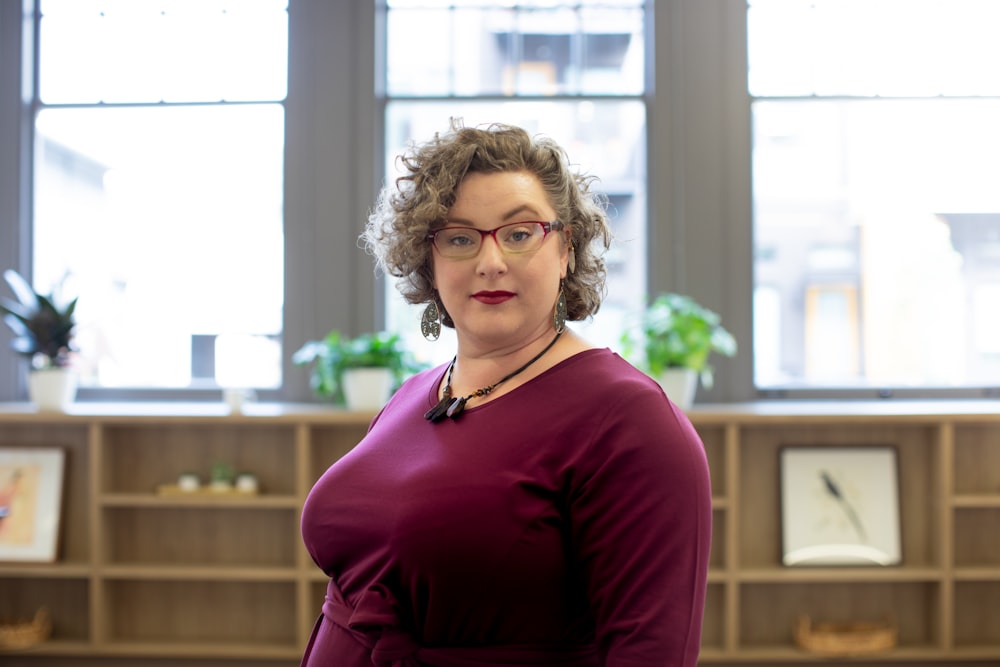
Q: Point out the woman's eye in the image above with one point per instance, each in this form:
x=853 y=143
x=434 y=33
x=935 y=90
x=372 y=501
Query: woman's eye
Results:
x=460 y=240
x=518 y=235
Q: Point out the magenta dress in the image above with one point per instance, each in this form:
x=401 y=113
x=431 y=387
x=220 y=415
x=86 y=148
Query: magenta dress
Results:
x=565 y=523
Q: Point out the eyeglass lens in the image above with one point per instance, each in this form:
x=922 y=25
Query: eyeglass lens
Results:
x=517 y=237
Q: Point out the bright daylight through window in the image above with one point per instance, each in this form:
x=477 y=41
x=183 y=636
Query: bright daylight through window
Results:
x=574 y=71
x=158 y=186
x=876 y=206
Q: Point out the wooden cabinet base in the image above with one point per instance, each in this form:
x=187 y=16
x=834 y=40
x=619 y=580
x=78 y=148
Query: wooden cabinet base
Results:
x=146 y=574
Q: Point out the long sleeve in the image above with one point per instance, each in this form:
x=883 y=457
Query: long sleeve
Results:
x=642 y=517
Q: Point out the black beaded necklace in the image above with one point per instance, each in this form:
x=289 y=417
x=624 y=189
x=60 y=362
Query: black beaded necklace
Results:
x=453 y=407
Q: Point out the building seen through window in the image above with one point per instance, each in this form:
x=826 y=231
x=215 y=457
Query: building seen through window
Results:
x=876 y=210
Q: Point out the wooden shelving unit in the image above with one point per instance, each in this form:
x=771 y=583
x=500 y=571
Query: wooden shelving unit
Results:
x=945 y=595
x=225 y=580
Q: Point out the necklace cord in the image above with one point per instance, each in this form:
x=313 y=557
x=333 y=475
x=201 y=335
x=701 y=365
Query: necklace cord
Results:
x=453 y=407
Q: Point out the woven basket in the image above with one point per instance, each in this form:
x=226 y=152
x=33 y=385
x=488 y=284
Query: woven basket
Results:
x=21 y=634
x=845 y=639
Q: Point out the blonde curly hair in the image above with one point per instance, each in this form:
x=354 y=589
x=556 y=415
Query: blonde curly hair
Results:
x=418 y=202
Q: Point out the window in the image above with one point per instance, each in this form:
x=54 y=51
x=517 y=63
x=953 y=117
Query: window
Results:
x=574 y=71
x=158 y=186
x=876 y=212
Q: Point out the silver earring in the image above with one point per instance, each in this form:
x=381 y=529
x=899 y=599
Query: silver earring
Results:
x=430 y=321
x=559 y=316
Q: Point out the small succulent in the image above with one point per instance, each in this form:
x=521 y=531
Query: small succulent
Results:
x=43 y=331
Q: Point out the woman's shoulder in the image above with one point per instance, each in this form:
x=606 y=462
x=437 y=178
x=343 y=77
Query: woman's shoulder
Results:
x=604 y=367
x=599 y=382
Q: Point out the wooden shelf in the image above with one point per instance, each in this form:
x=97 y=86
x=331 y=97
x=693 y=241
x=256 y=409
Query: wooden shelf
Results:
x=787 y=575
x=232 y=582
x=235 y=501
x=167 y=571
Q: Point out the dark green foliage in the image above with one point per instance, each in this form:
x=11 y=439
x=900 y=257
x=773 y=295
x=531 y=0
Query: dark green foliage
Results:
x=43 y=332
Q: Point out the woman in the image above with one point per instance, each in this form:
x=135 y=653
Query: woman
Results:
x=537 y=501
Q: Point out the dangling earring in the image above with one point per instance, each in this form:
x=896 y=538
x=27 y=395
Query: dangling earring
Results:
x=571 y=264
x=559 y=316
x=430 y=321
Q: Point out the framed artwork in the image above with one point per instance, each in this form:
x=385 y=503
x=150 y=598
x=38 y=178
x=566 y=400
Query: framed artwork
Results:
x=839 y=505
x=31 y=487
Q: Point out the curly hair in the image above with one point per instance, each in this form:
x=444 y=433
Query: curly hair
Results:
x=417 y=204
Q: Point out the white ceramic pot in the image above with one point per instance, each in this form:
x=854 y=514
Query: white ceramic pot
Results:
x=366 y=388
x=52 y=389
x=680 y=385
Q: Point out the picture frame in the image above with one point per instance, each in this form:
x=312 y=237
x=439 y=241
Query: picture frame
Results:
x=31 y=492
x=840 y=505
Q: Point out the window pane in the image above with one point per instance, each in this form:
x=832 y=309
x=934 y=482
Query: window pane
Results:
x=167 y=221
x=873 y=47
x=605 y=139
x=877 y=242
x=612 y=51
x=538 y=49
x=163 y=50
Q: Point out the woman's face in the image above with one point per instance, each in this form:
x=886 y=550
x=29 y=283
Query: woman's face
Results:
x=499 y=300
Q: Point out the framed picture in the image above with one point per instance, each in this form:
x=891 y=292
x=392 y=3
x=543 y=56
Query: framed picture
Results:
x=31 y=487
x=839 y=505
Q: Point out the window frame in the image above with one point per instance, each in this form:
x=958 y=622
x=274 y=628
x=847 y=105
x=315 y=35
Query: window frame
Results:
x=848 y=393
x=325 y=196
x=613 y=187
x=699 y=204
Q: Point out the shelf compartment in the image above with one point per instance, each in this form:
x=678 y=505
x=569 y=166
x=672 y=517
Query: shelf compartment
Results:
x=977 y=623
x=768 y=612
x=717 y=557
x=200 y=535
x=179 y=612
x=317 y=595
x=139 y=458
x=66 y=599
x=977 y=460
x=759 y=480
x=713 y=630
x=977 y=537
x=714 y=440
x=74 y=543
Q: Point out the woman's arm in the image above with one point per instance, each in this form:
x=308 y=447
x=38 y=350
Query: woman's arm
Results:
x=642 y=516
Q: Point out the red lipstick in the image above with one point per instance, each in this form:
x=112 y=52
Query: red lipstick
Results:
x=490 y=298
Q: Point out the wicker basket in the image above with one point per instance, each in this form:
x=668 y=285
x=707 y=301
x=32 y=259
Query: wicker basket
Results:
x=845 y=639
x=21 y=634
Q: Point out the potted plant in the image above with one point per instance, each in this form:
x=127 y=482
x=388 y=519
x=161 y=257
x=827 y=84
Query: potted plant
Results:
x=676 y=336
x=43 y=334
x=361 y=372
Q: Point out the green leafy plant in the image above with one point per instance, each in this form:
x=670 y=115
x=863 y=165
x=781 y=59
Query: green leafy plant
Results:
x=677 y=332
x=334 y=354
x=43 y=331
x=222 y=473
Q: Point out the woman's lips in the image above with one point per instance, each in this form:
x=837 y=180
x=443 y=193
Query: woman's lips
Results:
x=491 y=298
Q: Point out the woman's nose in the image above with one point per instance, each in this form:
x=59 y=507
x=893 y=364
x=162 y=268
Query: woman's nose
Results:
x=491 y=258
